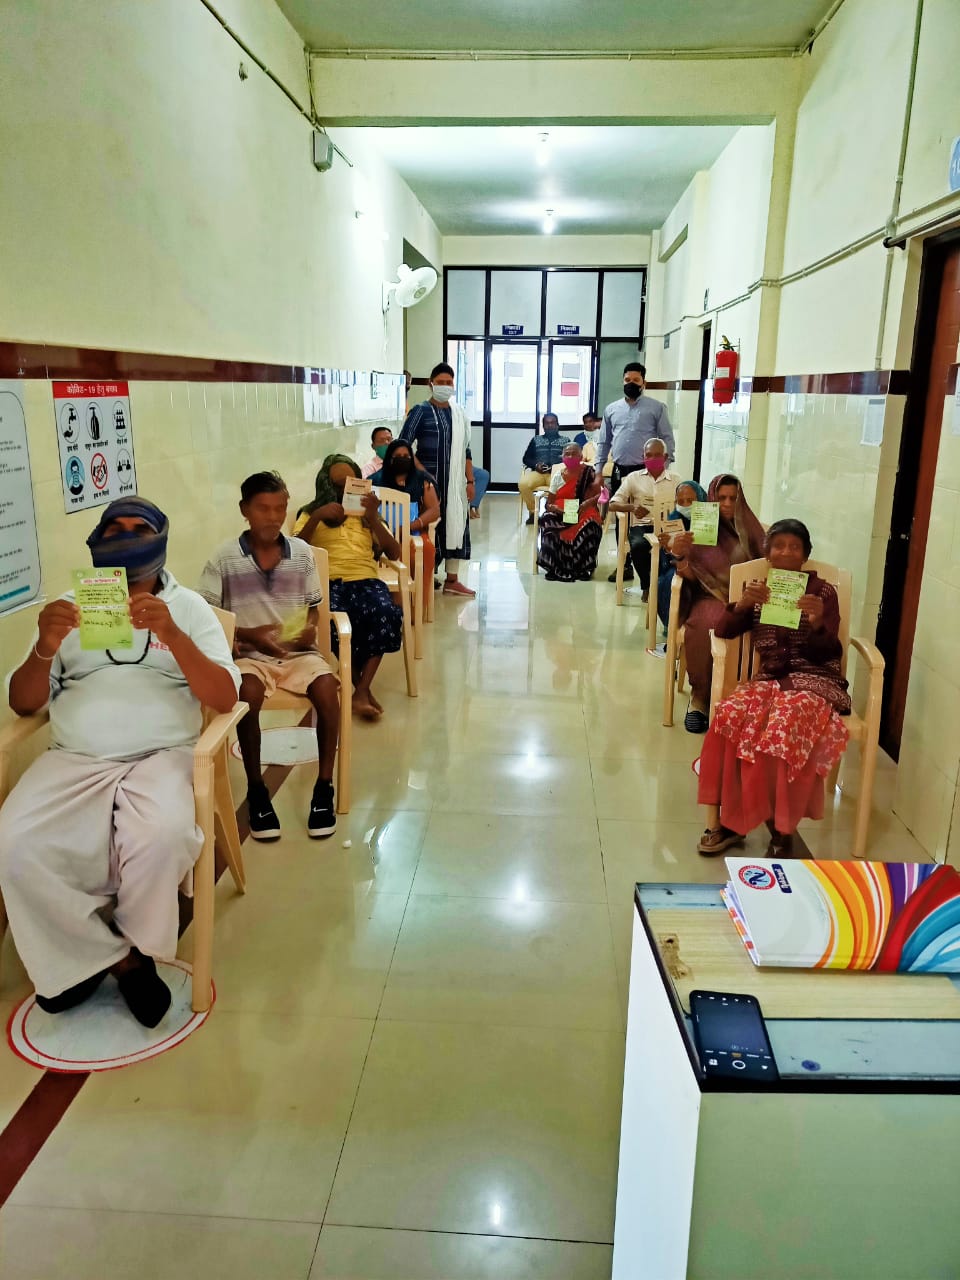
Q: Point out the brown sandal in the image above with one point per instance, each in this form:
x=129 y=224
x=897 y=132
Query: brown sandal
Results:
x=715 y=840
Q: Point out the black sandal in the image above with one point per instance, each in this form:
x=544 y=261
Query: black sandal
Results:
x=780 y=846
x=696 y=722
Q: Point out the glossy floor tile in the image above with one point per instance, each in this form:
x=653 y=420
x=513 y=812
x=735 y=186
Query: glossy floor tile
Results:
x=94 y=1244
x=245 y=1119
x=413 y=1069
x=344 y=1253
x=518 y=857
x=487 y=1129
x=500 y=960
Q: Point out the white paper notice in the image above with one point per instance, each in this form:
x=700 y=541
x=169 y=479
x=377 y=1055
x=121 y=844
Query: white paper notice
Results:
x=873 y=422
x=96 y=442
x=19 y=548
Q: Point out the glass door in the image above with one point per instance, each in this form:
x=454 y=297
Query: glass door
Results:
x=513 y=399
x=570 y=381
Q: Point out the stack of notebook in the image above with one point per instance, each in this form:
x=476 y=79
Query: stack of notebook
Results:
x=892 y=917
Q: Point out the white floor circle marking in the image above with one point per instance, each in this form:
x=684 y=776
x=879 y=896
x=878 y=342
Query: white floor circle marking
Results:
x=102 y=1034
x=285 y=746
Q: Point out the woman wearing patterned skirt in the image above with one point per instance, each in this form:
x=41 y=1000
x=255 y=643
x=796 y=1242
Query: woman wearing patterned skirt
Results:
x=353 y=545
x=774 y=740
x=570 y=538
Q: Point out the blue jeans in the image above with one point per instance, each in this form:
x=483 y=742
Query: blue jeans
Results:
x=481 y=478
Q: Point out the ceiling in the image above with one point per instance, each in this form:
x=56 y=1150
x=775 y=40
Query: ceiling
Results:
x=567 y=26
x=599 y=180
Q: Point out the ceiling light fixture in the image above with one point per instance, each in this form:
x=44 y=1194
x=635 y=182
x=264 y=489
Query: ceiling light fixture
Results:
x=549 y=223
x=543 y=151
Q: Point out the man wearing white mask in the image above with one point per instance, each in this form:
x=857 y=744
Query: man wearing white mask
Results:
x=439 y=432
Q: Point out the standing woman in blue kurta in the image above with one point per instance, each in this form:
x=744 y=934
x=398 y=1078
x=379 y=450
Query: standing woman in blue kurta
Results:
x=439 y=431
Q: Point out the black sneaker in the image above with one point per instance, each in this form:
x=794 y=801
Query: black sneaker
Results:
x=627 y=575
x=264 y=823
x=322 y=818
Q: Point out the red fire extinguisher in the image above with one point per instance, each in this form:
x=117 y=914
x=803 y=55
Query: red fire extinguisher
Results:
x=725 y=372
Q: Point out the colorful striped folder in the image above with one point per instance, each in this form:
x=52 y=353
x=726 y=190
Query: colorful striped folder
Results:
x=892 y=917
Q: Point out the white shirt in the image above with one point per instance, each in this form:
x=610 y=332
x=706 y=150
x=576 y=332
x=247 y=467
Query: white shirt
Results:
x=642 y=490
x=129 y=710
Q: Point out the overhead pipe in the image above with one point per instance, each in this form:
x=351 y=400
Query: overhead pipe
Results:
x=890 y=228
x=311 y=115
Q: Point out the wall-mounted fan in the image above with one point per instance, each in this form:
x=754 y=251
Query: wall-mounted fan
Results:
x=409 y=288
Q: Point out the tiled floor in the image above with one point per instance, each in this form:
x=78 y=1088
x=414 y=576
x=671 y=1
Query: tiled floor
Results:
x=413 y=1069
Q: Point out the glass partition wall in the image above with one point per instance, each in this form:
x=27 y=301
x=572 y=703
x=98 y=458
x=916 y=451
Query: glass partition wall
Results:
x=530 y=340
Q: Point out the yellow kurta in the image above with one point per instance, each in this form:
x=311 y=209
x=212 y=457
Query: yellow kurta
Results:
x=349 y=547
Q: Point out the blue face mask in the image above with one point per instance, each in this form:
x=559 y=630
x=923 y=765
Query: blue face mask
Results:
x=141 y=554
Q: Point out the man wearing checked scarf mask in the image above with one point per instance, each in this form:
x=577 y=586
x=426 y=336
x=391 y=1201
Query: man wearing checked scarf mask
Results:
x=107 y=815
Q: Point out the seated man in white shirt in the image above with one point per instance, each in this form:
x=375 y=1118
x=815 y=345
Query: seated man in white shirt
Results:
x=106 y=816
x=639 y=495
x=380 y=437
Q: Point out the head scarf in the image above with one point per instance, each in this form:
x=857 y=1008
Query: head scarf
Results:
x=142 y=555
x=683 y=513
x=325 y=488
x=738 y=540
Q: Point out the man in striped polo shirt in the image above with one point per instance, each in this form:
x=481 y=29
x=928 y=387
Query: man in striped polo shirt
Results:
x=270 y=582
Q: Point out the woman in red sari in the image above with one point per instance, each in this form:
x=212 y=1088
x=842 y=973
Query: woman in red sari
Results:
x=774 y=740
x=706 y=586
x=568 y=552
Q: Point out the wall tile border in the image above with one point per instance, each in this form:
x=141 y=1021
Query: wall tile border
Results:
x=44 y=361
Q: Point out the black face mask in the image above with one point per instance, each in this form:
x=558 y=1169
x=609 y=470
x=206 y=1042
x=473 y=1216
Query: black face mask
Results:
x=401 y=466
x=632 y=390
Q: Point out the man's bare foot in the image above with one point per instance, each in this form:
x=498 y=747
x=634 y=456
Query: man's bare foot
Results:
x=376 y=702
x=364 y=707
x=454 y=587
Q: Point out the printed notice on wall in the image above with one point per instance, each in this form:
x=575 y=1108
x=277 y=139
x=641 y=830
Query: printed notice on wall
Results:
x=19 y=548
x=96 y=443
x=873 y=415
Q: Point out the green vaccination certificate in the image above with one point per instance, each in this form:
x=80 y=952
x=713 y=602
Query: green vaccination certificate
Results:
x=785 y=587
x=705 y=523
x=103 y=600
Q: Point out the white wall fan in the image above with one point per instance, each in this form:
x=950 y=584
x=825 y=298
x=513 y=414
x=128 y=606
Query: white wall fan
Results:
x=409 y=288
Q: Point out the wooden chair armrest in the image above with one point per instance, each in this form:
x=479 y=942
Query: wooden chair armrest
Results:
x=653 y=540
x=23 y=727
x=417 y=543
x=344 y=632
x=217 y=732
x=869 y=652
x=342 y=623
x=403 y=573
x=720 y=649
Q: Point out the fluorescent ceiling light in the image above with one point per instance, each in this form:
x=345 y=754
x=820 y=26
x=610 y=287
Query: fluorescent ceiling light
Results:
x=549 y=223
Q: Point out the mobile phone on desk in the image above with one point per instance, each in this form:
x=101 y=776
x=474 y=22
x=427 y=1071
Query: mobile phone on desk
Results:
x=731 y=1037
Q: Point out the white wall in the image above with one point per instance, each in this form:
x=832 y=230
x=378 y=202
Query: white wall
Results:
x=647 y=90
x=154 y=201
x=546 y=251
